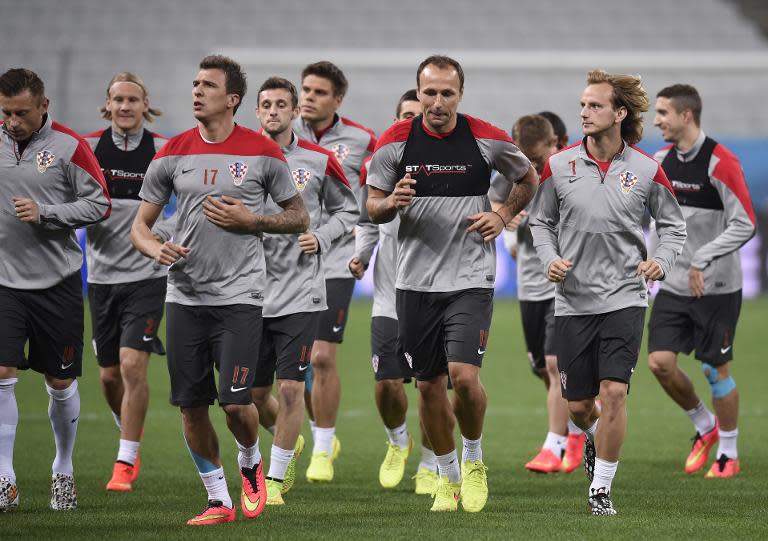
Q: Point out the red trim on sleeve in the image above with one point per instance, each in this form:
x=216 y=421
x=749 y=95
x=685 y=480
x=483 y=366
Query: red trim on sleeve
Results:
x=85 y=159
x=484 y=130
x=364 y=170
x=332 y=167
x=545 y=173
x=241 y=142
x=661 y=178
x=348 y=122
x=397 y=133
x=728 y=171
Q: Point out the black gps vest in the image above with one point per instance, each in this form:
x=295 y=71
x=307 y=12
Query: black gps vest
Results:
x=124 y=170
x=691 y=179
x=447 y=166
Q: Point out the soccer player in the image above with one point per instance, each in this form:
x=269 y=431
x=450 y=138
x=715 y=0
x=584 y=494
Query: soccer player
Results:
x=534 y=136
x=561 y=132
x=126 y=291
x=434 y=171
x=586 y=226
x=390 y=368
x=221 y=174
x=295 y=291
x=323 y=87
x=50 y=184
x=698 y=306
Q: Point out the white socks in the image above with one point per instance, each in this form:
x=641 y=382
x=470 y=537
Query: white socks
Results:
x=398 y=436
x=216 y=485
x=471 y=449
x=128 y=451
x=312 y=428
x=573 y=429
x=448 y=466
x=590 y=432
x=324 y=440
x=428 y=459
x=727 y=445
x=248 y=457
x=278 y=463
x=703 y=419
x=64 y=412
x=604 y=473
x=555 y=443
x=9 y=418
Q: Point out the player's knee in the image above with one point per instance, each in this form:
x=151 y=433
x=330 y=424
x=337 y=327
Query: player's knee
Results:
x=322 y=360
x=291 y=394
x=236 y=411
x=389 y=386
x=613 y=394
x=260 y=395
x=110 y=377
x=134 y=371
x=720 y=381
x=662 y=364
x=581 y=409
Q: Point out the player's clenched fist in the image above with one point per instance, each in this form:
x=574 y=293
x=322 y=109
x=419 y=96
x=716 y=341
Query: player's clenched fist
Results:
x=169 y=253
x=650 y=269
x=308 y=243
x=558 y=270
x=404 y=192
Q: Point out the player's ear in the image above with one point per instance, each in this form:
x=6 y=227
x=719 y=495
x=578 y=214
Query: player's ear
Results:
x=233 y=100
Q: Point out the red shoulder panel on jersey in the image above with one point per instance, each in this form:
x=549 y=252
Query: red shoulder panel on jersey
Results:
x=661 y=178
x=484 y=130
x=546 y=172
x=348 y=122
x=241 y=142
x=97 y=133
x=332 y=167
x=728 y=171
x=364 y=170
x=397 y=133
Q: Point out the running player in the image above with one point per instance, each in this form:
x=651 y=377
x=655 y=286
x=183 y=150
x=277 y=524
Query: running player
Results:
x=389 y=365
x=434 y=171
x=323 y=87
x=699 y=302
x=574 y=447
x=221 y=174
x=295 y=291
x=534 y=135
x=586 y=226
x=126 y=291
x=50 y=184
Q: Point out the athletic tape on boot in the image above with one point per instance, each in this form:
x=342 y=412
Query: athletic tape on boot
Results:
x=719 y=388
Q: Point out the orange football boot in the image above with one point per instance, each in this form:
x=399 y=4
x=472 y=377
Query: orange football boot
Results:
x=253 y=497
x=697 y=459
x=123 y=476
x=214 y=513
x=723 y=468
x=574 y=451
x=544 y=462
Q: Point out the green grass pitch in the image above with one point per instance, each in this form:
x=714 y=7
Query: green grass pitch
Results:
x=655 y=499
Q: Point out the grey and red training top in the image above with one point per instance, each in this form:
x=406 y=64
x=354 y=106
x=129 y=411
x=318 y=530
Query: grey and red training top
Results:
x=351 y=143
x=452 y=172
x=296 y=280
x=222 y=267
x=58 y=170
x=591 y=214
x=124 y=159
x=710 y=187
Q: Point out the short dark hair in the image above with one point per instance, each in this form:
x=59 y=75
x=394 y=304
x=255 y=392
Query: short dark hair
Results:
x=530 y=130
x=234 y=76
x=410 y=95
x=683 y=97
x=561 y=132
x=443 y=62
x=330 y=71
x=279 y=83
x=15 y=81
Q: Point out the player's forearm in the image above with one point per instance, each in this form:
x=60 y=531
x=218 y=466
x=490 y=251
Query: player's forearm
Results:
x=380 y=209
x=521 y=194
x=144 y=240
x=293 y=219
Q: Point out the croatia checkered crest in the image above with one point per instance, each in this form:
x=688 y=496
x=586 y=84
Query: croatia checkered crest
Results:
x=375 y=362
x=44 y=160
x=342 y=152
x=628 y=180
x=301 y=176
x=238 y=170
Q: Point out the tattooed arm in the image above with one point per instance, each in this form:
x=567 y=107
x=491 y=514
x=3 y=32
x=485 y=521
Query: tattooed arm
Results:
x=293 y=219
x=521 y=194
x=231 y=214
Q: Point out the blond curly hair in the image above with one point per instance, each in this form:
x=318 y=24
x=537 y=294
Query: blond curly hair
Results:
x=628 y=92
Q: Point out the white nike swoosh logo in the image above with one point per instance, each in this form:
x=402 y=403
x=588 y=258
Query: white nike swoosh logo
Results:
x=725 y=350
x=65 y=366
x=303 y=367
x=480 y=351
x=632 y=371
x=237 y=389
x=337 y=329
x=147 y=338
